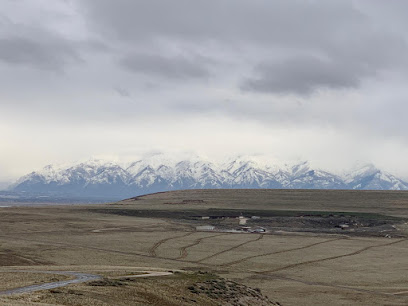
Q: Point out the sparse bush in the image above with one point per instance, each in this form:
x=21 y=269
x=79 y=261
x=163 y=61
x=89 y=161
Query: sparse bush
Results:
x=106 y=282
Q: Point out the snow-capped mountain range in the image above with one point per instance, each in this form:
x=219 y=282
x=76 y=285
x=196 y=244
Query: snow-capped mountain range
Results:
x=100 y=178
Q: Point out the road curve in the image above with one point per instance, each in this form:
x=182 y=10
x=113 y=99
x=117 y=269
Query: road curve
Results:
x=79 y=278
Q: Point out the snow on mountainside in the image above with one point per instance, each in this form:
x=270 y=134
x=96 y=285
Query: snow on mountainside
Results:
x=158 y=173
x=303 y=176
x=367 y=176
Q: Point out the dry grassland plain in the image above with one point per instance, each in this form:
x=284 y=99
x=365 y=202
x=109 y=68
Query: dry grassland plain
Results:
x=306 y=256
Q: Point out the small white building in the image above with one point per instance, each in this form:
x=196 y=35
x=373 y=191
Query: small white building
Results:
x=205 y=228
x=242 y=220
x=259 y=230
x=344 y=226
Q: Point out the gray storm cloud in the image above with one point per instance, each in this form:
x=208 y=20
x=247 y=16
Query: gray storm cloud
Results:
x=301 y=75
x=41 y=54
x=36 y=47
x=167 y=67
x=201 y=75
x=300 y=46
x=293 y=22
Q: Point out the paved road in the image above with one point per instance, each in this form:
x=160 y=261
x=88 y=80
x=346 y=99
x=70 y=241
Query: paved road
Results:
x=79 y=278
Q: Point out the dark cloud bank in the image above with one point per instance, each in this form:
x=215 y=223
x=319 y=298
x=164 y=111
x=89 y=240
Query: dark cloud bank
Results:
x=303 y=45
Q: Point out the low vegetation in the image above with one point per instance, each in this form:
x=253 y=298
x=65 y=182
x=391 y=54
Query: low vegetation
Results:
x=316 y=250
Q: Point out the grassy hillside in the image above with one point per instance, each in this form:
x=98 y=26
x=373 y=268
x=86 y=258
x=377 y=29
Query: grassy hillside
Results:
x=392 y=203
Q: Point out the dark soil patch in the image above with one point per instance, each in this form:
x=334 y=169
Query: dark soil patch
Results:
x=230 y=293
x=10 y=258
x=106 y=282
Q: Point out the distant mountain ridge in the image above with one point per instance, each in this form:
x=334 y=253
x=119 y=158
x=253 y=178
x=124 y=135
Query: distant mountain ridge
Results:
x=97 y=178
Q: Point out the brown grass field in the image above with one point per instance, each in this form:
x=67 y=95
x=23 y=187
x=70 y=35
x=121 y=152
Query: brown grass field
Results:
x=303 y=258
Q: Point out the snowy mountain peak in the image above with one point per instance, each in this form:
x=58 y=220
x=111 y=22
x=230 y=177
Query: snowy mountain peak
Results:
x=159 y=173
x=300 y=168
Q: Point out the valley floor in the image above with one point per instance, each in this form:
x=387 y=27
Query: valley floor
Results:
x=208 y=267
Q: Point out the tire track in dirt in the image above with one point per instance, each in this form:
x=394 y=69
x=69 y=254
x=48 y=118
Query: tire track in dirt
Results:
x=232 y=248
x=332 y=257
x=152 y=250
x=314 y=283
x=88 y=247
x=183 y=250
x=277 y=252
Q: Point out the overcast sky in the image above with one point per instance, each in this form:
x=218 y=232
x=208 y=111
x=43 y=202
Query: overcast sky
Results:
x=323 y=80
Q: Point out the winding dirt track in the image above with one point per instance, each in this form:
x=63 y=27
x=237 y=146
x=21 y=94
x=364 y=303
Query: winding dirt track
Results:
x=146 y=274
x=232 y=248
x=152 y=251
x=277 y=252
x=88 y=247
x=314 y=283
x=332 y=257
x=82 y=277
x=183 y=250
